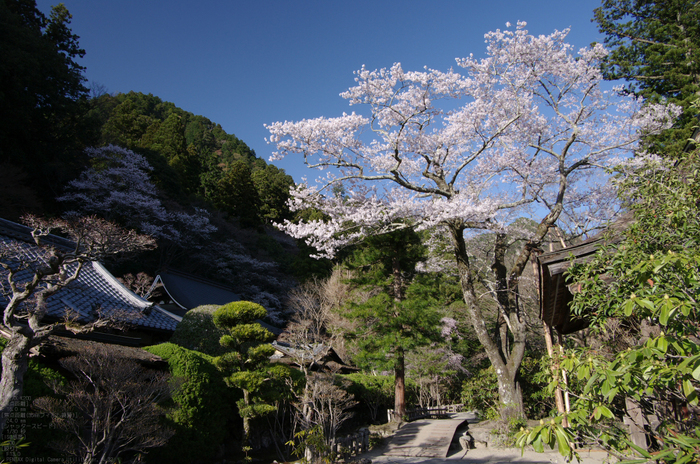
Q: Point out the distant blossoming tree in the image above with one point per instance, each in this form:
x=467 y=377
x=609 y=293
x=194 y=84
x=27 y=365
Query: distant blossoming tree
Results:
x=118 y=187
x=528 y=130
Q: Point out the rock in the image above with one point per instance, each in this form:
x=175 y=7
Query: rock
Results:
x=482 y=433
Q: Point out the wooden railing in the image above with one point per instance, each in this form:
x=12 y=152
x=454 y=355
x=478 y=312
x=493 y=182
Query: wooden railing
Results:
x=437 y=412
x=351 y=445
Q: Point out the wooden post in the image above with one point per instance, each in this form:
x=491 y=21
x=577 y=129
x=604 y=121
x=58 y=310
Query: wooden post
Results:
x=567 y=404
x=635 y=421
x=558 y=396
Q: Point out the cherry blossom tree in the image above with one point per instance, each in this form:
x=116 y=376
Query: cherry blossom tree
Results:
x=529 y=130
x=118 y=187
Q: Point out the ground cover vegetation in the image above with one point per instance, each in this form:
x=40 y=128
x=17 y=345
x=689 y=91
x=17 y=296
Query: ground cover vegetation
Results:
x=432 y=298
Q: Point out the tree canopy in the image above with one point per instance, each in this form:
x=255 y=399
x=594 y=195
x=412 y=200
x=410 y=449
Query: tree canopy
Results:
x=194 y=157
x=655 y=46
x=532 y=132
x=43 y=102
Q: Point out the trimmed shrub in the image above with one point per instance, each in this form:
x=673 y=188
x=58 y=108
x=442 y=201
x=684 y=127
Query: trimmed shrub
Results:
x=198 y=332
x=202 y=407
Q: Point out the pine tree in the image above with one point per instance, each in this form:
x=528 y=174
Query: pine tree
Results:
x=398 y=316
x=248 y=363
x=655 y=47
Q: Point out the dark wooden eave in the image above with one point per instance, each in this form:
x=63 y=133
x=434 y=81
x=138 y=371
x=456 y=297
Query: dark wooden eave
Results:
x=555 y=293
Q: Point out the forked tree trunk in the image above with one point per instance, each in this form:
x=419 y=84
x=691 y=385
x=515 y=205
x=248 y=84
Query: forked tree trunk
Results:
x=505 y=364
x=14 y=365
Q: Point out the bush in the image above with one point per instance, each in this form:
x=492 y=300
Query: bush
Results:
x=202 y=406
x=480 y=392
x=375 y=392
x=198 y=332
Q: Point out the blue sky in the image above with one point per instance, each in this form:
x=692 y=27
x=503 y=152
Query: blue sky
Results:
x=243 y=64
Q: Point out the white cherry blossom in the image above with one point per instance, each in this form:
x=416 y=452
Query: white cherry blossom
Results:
x=528 y=131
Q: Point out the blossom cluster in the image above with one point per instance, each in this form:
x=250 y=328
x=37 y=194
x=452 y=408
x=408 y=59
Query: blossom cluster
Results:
x=118 y=187
x=528 y=130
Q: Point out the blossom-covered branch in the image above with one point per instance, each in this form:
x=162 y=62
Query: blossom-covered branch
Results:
x=528 y=131
x=534 y=123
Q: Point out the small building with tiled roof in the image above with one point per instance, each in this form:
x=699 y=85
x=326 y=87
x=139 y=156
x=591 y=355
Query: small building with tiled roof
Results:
x=95 y=293
x=187 y=291
x=317 y=357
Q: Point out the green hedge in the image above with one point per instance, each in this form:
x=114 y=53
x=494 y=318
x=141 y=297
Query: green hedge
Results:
x=198 y=332
x=202 y=409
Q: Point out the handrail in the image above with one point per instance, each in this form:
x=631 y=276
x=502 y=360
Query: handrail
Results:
x=436 y=412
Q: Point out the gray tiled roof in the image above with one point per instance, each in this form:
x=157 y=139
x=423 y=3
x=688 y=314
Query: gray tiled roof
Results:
x=189 y=291
x=95 y=292
x=306 y=351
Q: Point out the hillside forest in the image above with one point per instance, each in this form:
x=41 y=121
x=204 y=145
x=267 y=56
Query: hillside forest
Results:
x=409 y=281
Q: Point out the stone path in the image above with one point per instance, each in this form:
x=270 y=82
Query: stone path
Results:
x=424 y=438
x=428 y=442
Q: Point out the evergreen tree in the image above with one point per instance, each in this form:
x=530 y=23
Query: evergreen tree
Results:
x=43 y=102
x=655 y=47
x=272 y=185
x=248 y=364
x=399 y=315
x=235 y=194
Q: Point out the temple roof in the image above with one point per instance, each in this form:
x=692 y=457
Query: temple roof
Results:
x=95 y=293
x=189 y=291
x=555 y=293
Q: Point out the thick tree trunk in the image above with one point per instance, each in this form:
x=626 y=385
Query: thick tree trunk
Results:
x=505 y=364
x=510 y=395
x=14 y=365
x=399 y=385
